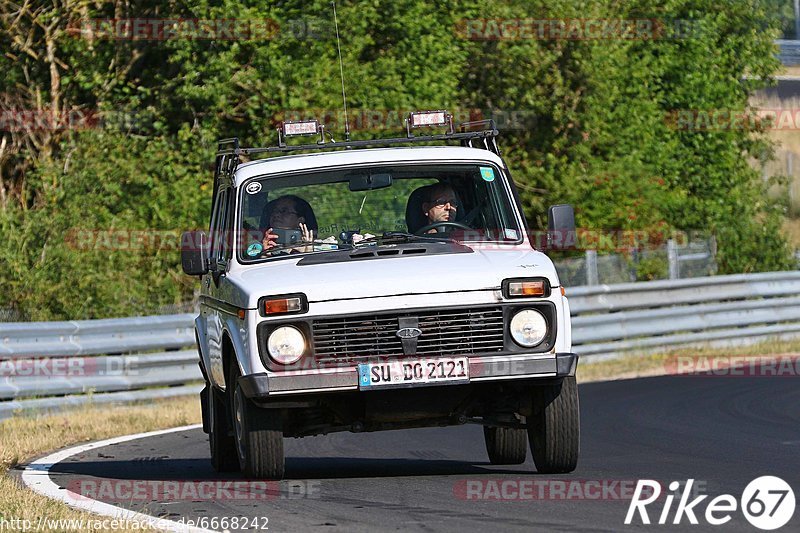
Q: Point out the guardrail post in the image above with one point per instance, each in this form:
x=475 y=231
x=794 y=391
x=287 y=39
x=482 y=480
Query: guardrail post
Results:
x=592 y=277
x=672 y=258
x=797 y=19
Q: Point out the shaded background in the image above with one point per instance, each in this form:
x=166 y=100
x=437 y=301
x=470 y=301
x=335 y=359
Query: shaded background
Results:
x=107 y=142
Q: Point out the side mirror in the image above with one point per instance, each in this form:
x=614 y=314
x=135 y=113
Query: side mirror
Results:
x=194 y=252
x=561 y=227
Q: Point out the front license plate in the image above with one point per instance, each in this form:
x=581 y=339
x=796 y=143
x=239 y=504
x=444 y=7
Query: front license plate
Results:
x=413 y=372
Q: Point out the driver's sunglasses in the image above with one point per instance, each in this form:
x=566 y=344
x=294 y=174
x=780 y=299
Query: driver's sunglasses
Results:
x=439 y=202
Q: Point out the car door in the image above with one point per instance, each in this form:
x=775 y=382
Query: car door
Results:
x=212 y=298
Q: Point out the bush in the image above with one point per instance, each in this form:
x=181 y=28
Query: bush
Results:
x=593 y=124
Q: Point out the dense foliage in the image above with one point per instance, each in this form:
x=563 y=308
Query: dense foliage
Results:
x=588 y=121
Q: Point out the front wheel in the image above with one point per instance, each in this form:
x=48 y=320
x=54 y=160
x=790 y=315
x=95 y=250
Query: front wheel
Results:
x=259 y=437
x=554 y=428
x=505 y=446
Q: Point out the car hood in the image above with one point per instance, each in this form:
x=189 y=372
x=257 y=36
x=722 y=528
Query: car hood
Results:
x=389 y=276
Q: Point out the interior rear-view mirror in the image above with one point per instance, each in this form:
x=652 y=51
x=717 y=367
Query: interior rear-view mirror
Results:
x=368 y=182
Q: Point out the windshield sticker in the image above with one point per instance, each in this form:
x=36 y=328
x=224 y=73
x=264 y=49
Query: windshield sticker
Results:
x=487 y=173
x=254 y=249
x=511 y=234
x=253 y=188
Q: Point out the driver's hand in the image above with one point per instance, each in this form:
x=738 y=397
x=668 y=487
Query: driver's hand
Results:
x=269 y=240
x=308 y=237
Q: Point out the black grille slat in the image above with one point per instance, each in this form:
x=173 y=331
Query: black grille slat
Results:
x=450 y=319
x=385 y=336
x=450 y=329
x=330 y=337
x=459 y=341
x=444 y=332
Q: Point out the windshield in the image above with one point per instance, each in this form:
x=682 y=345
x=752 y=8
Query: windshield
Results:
x=316 y=212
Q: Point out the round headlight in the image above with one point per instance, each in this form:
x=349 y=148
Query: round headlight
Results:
x=286 y=345
x=528 y=328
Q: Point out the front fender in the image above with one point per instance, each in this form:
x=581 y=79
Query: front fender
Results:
x=567 y=326
x=201 y=337
x=236 y=331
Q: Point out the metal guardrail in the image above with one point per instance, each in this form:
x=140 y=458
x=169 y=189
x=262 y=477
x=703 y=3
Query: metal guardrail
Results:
x=58 y=363
x=721 y=310
x=47 y=365
x=82 y=337
x=788 y=52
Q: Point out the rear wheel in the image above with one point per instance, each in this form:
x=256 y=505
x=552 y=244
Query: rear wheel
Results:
x=505 y=446
x=554 y=428
x=220 y=433
x=259 y=436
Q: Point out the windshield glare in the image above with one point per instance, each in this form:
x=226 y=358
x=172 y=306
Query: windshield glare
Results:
x=338 y=209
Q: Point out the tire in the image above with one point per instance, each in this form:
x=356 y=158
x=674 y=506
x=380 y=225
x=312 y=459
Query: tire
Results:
x=259 y=436
x=554 y=428
x=221 y=441
x=506 y=446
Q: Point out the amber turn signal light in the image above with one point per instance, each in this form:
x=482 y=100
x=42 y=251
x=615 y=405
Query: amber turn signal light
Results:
x=526 y=288
x=282 y=304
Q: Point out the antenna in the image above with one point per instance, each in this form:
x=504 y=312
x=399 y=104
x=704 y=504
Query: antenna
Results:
x=341 y=73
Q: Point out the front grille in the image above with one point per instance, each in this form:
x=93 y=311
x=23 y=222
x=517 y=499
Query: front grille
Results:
x=444 y=332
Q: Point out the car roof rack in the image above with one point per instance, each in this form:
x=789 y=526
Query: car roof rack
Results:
x=474 y=134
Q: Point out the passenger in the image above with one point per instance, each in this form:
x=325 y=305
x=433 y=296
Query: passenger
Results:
x=440 y=205
x=289 y=212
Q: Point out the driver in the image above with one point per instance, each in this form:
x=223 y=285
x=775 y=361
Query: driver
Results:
x=440 y=205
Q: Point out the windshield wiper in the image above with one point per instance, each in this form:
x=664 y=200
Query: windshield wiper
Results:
x=402 y=236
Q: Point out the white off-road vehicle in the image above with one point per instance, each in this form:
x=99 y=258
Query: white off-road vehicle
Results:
x=355 y=288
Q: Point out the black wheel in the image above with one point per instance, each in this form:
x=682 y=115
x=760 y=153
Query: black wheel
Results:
x=259 y=436
x=554 y=428
x=221 y=441
x=505 y=446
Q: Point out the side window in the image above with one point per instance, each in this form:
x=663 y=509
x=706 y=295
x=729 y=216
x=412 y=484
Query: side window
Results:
x=218 y=227
x=227 y=225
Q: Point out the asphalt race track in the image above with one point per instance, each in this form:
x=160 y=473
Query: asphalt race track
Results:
x=720 y=431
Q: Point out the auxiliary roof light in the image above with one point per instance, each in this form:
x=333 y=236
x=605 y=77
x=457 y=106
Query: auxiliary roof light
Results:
x=429 y=119
x=300 y=127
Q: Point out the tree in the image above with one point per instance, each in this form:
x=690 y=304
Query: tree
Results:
x=590 y=121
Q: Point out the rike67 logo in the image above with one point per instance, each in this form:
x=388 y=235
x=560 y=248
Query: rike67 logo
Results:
x=767 y=503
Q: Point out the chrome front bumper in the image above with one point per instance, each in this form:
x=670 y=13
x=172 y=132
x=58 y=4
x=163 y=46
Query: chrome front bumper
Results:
x=481 y=369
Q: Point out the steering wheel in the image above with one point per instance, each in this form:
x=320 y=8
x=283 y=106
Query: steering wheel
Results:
x=429 y=227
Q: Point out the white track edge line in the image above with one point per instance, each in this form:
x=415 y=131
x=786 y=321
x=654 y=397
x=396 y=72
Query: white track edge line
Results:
x=36 y=477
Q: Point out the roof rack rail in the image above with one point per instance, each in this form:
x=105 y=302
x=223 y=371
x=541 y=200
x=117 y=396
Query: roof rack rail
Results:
x=230 y=150
x=486 y=124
